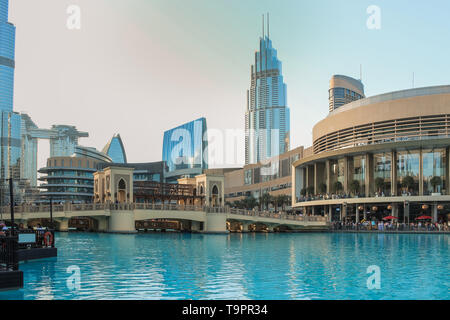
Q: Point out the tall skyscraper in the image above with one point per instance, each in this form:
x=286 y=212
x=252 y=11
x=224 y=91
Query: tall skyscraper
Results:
x=7 y=56
x=10 y=122
x=267 y=118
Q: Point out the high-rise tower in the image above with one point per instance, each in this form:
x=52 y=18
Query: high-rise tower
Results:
x=267 y=118
x=7 y=56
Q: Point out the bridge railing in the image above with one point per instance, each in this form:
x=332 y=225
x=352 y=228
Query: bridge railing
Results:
x=32 y=208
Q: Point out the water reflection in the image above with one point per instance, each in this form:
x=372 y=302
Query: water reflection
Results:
x=240 y=266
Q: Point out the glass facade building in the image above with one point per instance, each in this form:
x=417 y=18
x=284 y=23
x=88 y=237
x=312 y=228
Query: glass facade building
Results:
x=7 y=58
x=344 y=90
x=115 y=149
x=267 y=117
x=185 y=149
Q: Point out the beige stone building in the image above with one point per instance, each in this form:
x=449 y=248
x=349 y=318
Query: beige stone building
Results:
x=273 y=177
x=379 y=156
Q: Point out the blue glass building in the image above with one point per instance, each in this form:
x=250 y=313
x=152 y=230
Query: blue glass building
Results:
x=115 y=149
x=267 y=118
x=185 y=150
x=10 y=122
x=7 y=56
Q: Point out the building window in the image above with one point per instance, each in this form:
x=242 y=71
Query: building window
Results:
x=434 y=177
x=248 y=177
x=382 y=163
x=408 y=172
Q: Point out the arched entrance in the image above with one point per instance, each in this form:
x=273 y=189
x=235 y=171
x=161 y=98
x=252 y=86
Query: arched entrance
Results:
x=122 y=191
x=215 y=196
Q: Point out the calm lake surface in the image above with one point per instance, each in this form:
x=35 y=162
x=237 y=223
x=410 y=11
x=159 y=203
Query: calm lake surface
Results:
x=239 y=266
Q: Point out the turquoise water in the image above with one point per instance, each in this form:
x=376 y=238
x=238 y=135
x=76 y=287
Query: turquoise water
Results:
x=236 y=266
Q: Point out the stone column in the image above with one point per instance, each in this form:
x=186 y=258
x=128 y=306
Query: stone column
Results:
x=216 y=223
x=357 y=213
x=406 y=212
x=346 y=173
x=63 y=224
x=330 y=213
x=420 y=173
x=327 y=170
x=435 y=212
x=394 y=173
x=122 y=221
x=394 y=210
x=244 y=226
x=364 y=213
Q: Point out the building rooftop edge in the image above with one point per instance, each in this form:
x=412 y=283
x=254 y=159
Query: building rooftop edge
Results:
x=394 y=95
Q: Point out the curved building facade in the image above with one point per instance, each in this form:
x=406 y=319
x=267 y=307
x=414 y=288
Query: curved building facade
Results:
x=384 y=155
x=115 y=150
x=344 y=90
x=69 y=179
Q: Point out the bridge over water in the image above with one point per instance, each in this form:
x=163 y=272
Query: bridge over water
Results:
x=121 y=218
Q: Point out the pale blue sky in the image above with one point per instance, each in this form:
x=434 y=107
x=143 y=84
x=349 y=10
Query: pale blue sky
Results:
x=139 y=67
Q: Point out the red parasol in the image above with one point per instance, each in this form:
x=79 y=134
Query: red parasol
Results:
x=424 y=218
x=390 y=218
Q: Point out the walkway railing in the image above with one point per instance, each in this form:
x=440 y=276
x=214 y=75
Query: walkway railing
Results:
x=9 y=258
x=336 y=226
x=28 y=208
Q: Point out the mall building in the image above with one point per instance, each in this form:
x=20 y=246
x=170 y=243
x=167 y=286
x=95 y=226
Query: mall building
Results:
x=387 y=155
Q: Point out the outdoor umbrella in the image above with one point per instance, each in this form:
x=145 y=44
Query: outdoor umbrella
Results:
x=424 y=218
x=390 y=218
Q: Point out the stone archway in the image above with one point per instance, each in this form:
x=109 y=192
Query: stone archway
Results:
x=122 y=191
x=215 y=196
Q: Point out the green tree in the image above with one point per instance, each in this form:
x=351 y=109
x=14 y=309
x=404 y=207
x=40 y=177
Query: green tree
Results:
x=408 y=182
x=379 y=184
x=281 y=200
x=266 y=199
x=435 y=182
x=322 y=188
x=310 y=190
x=303 y=192
x=355 y=186
x=250 y=203
x=338 y=186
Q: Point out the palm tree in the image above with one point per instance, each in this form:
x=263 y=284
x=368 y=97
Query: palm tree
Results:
x=266 y=199
x=281 y=200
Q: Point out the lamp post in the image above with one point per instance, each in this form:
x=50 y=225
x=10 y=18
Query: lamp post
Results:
x=11 y=199
x=51 y=212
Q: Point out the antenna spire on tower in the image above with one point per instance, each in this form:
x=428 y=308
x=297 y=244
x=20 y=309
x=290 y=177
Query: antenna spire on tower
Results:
x=268 y=26
x=263 y=26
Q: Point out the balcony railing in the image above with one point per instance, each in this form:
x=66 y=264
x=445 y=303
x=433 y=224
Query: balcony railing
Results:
x=69 y=207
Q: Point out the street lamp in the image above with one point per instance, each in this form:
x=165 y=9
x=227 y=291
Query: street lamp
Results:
x=11 y=200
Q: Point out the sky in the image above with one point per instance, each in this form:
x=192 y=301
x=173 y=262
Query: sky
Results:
x=140 y=67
